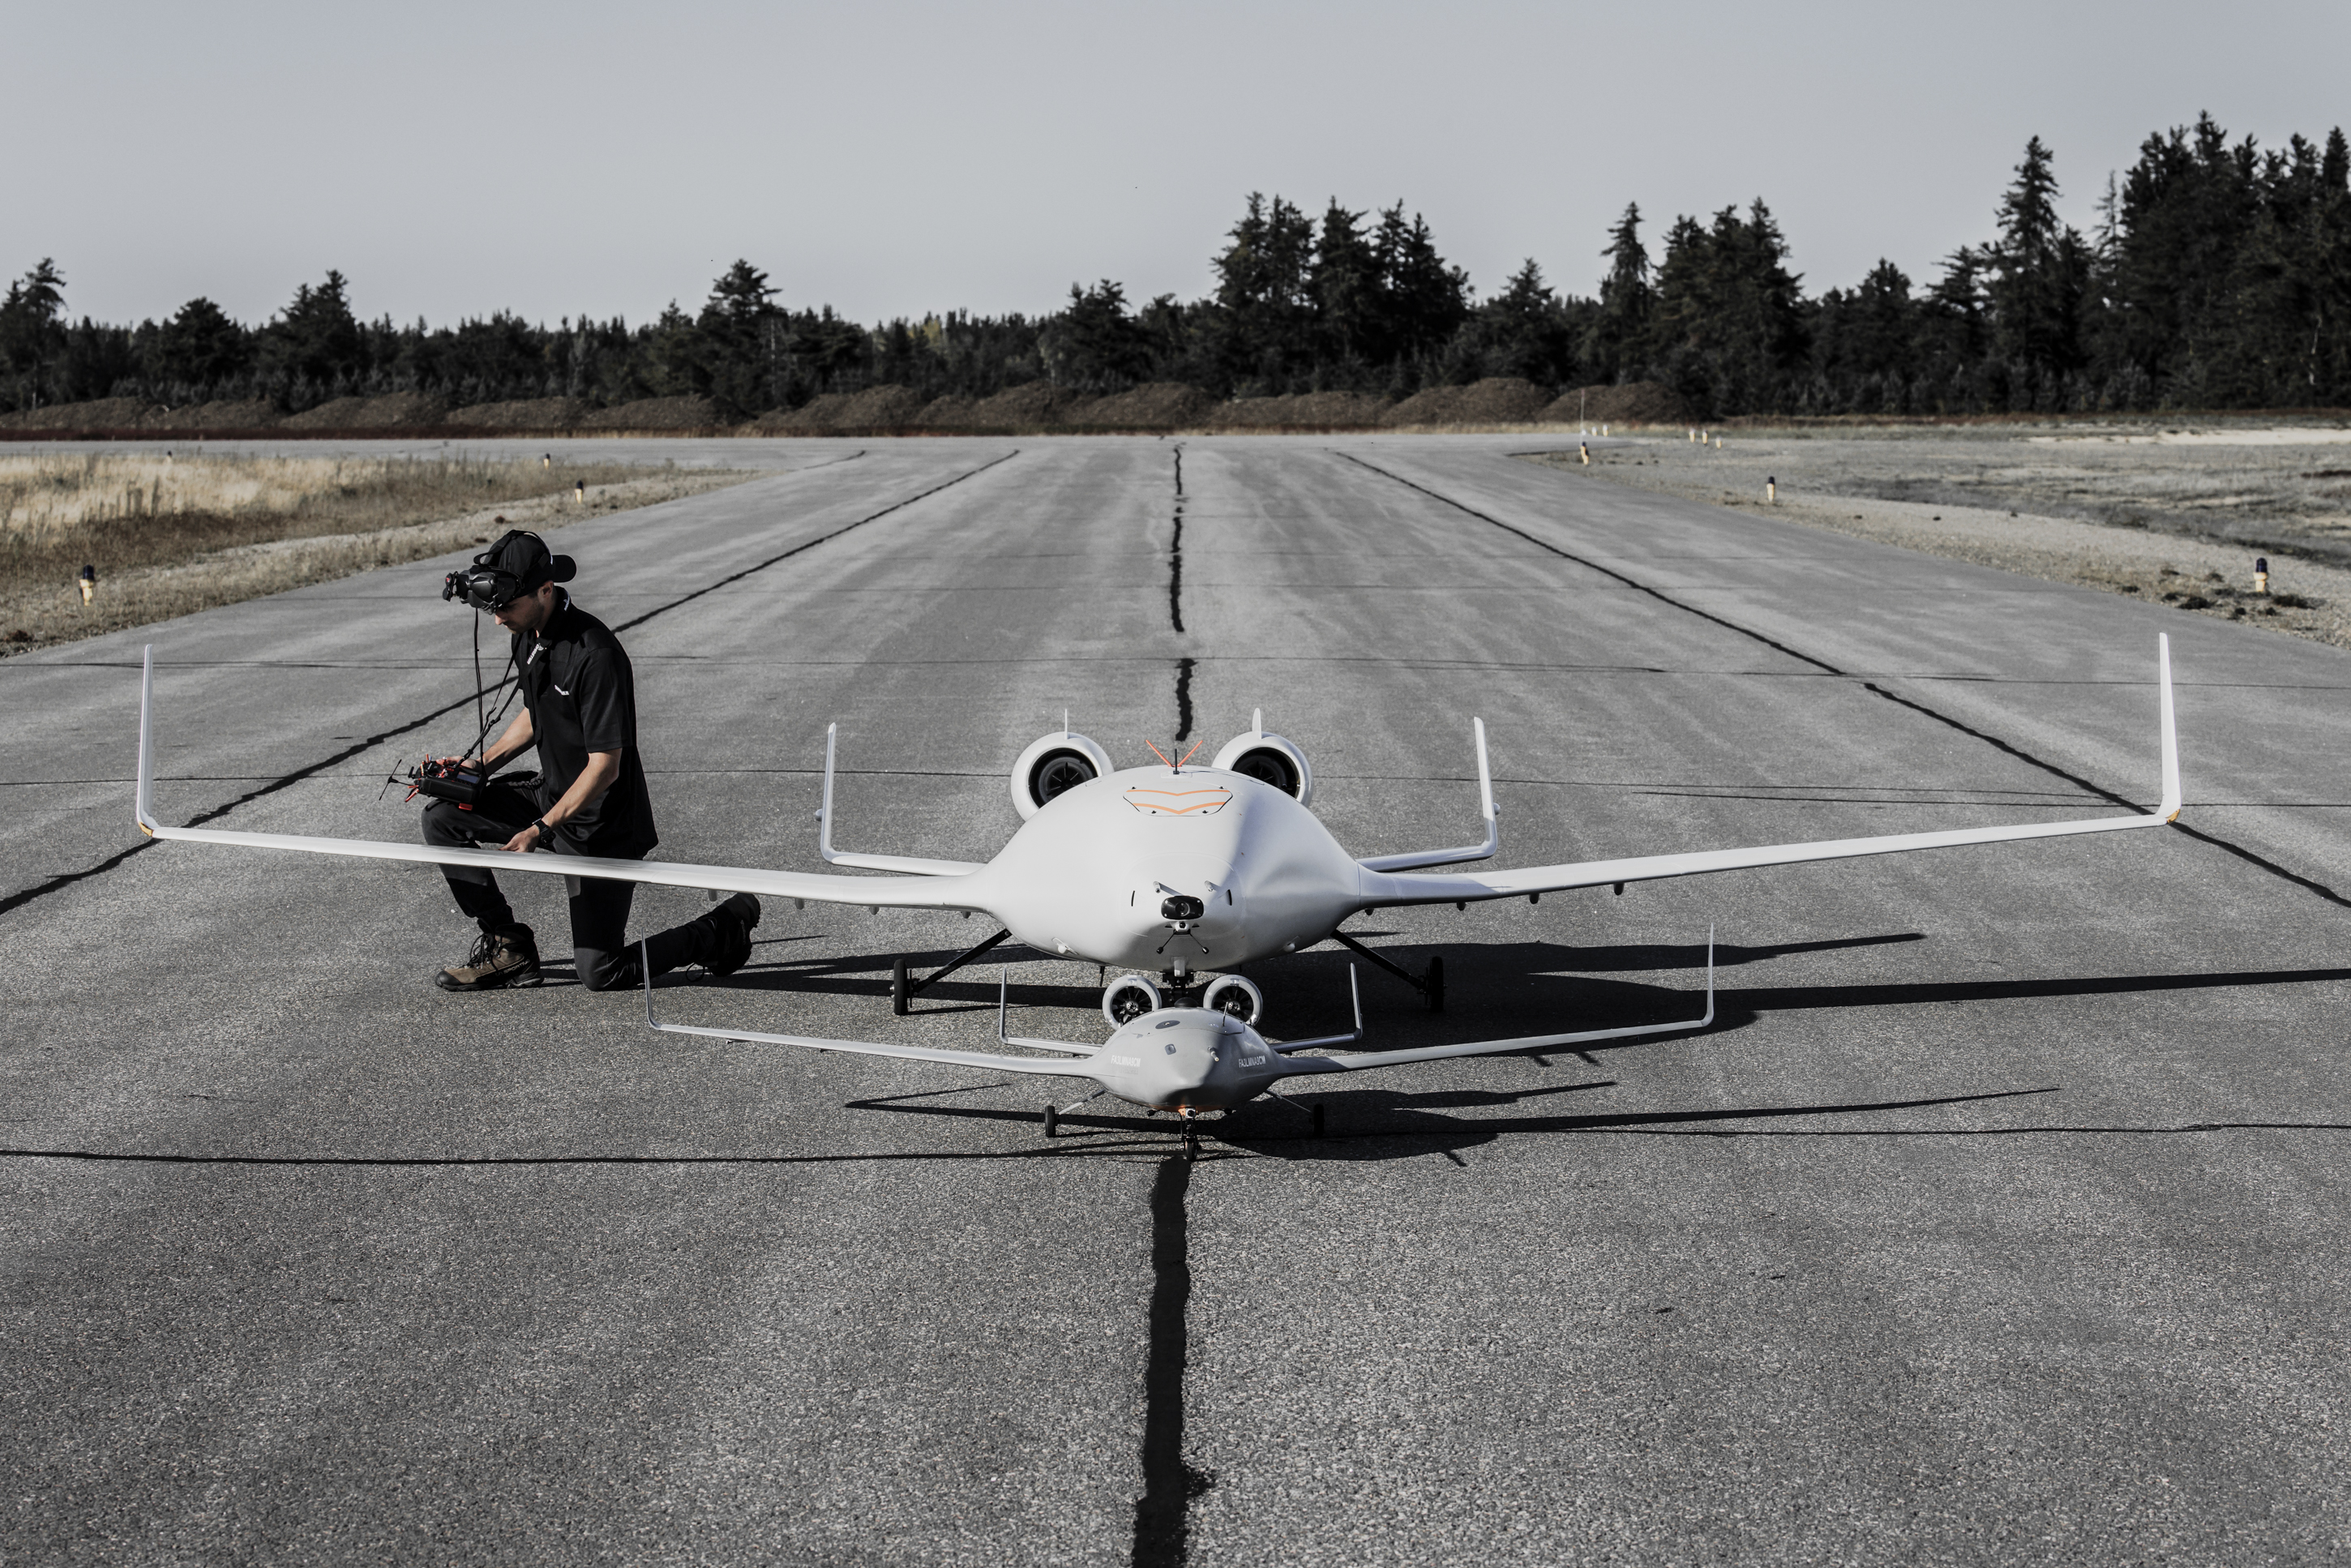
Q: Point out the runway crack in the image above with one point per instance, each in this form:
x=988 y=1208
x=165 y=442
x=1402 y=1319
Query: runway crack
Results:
x=1176 y=551
x=1184 y=699
x=1163 y=1513
x=2251 y=857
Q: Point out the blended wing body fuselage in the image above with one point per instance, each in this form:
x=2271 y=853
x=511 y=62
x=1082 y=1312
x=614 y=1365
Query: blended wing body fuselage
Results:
x=1090 y=876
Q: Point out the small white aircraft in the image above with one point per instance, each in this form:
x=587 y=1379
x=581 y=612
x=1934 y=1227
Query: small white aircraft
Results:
x=1180 y=873
x=1188 y=1060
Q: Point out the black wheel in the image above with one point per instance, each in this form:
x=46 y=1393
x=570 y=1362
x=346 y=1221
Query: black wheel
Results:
x=1433 y=988
x=1318 y=1121
x=902 y=990
x=1052 y=1120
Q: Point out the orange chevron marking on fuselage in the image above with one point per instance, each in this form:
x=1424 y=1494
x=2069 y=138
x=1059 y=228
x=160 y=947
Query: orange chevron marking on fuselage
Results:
x=1179 y=802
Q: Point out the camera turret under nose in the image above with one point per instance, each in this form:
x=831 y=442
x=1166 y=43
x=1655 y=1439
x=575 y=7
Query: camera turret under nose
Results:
x=1182 y=906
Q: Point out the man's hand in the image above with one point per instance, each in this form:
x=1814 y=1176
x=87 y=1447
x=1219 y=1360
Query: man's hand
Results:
x=523 y=842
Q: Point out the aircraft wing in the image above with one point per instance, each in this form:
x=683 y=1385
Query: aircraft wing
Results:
x=1364 y=1061
x=1383 y=889
x=986 y=1062
x=875 y=893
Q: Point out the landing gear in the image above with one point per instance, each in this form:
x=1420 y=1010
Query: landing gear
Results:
x=1191 y=1141
x=1313 y=1112
x=1431 y=986
x=904 y=985
x=1052 y=1120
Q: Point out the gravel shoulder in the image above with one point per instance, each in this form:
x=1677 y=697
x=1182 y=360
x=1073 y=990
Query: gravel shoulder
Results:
x=2175 y=517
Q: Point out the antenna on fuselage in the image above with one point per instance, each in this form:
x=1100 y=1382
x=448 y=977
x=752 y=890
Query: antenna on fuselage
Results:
x=1257 y=723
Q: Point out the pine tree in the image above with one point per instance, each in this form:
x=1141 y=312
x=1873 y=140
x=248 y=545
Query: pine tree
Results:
x=1265 y=320
x=1344 y=284
x=200 y=347
x=737 y=353
x=1424 y=299
x=32 y=332
x=1618 y=342
x=2041 y=270
x=312 y=349
x=1094 y=345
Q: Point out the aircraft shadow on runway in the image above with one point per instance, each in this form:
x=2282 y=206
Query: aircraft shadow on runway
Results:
x=1392 y=1124
x=1507 y=989
x=1320 y=973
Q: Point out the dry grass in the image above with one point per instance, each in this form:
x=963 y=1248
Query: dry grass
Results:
x=169 y=535
x=2171 y=514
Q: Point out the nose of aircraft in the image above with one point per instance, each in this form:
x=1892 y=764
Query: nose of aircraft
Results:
x=1164 y=1058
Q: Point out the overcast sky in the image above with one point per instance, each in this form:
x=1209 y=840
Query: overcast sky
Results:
x=892 y=159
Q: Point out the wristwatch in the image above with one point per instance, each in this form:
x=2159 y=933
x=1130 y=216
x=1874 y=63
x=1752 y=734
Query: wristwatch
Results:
x=546 y=833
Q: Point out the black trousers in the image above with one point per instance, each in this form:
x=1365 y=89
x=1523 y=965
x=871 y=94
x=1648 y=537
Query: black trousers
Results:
x=600 y=950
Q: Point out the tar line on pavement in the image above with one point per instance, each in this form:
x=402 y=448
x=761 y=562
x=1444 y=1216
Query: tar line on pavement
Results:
x=2306 y=884
x=285 y=781
x=1163 y=1513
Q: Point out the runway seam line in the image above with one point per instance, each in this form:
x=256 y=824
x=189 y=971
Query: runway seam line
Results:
x=811 y=544
x=2249 y=857
x=18 y=900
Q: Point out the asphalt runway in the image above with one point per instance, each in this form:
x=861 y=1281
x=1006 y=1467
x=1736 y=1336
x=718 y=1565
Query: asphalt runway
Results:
x=1998 y=1219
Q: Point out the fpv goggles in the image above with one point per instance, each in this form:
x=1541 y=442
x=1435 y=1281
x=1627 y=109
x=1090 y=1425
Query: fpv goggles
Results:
x=510 y=568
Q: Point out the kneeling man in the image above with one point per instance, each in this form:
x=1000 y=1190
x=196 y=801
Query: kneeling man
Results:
x=589 y=797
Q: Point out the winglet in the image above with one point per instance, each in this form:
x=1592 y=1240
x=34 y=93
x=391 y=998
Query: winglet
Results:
x=645 y=968
x=142 y=803
x=1708 y=1018
x=1485 y=786
x=2169 y=809
x=1356 y=995
x=824 y=812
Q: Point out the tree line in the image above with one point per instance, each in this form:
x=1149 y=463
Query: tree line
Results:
x=2218 y=276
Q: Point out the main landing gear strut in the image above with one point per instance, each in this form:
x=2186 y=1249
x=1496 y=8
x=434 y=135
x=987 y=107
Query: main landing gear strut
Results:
x=1430 y=985
x=904 y=985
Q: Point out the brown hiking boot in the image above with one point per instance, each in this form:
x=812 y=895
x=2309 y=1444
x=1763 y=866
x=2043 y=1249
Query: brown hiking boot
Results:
x=503 y=957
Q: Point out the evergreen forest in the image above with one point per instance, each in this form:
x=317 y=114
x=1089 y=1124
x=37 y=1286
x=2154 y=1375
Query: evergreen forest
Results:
x=2218 y=277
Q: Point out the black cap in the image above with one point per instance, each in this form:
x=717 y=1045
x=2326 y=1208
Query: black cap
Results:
x=525 y=558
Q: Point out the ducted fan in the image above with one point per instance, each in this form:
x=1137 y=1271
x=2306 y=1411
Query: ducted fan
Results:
x=1054 y=765
x=1268 y=760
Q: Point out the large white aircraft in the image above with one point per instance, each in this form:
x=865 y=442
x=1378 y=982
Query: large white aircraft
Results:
x=1177 y=875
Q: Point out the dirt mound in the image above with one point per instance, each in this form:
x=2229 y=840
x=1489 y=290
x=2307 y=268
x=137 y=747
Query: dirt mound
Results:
x=1497 y=400
x=525 y=413
x=876 y=408
x=949 y=412
x=245 y=413
x=1021 y=407
x=106 y=413
x=1154 y=405
x=657 y=414
x=1312 y=409
x=1636 y=402
x=372 y=412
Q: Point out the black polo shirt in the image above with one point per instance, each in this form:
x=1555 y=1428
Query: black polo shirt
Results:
x=582 y=697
